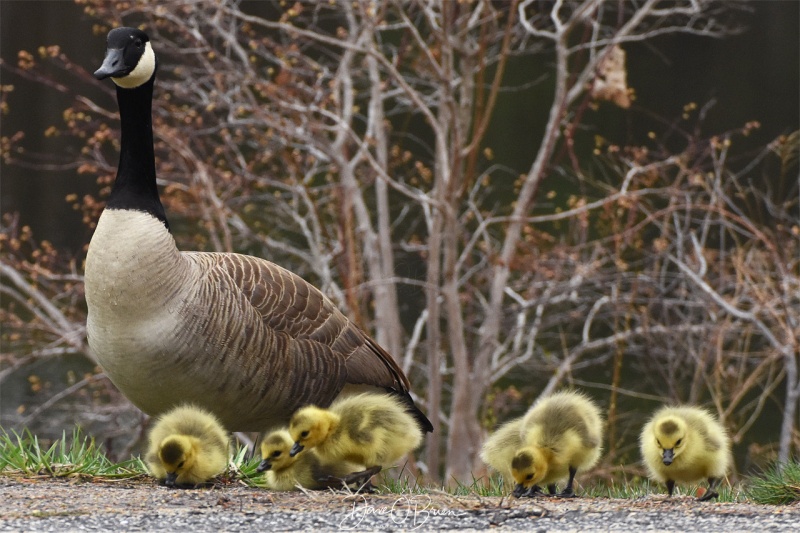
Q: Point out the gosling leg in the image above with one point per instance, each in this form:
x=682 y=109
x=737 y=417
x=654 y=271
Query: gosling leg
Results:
x=551 y=488
x=711 y=492
x=365 y=479
x=670 y=486
x=568 y=491
x=362 y=479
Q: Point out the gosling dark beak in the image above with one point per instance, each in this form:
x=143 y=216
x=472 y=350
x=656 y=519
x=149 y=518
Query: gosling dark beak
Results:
x=113 y=65
x=297 y=448
x=669 y=456
x=264 y=465
x=172 y=477
x=519 y=490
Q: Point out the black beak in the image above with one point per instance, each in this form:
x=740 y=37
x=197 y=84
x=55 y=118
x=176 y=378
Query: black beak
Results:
x=519 y=490
x=669 y=456
x=297 y=448
x=264 y=465
x=113 y=65
x=172 y=477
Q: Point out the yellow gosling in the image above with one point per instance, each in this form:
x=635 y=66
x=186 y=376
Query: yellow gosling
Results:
x=285 y=472
x=367 y=429
x=686 y=444
x=187 y=446
x=560 y=435
x=499 y=449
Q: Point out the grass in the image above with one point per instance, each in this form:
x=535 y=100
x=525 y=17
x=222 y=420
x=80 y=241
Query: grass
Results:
x=491 y=486
x=244 y=468
x=641 y=488
x=79 y=455
x=776 y=485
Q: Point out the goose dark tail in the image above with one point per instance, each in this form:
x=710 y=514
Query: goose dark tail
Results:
x=424 y=424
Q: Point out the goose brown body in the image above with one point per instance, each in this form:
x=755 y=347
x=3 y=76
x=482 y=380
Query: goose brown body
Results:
x=238 y=335
x=235 y=334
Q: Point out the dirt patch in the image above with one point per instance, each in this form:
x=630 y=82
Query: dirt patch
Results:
x=48 y=504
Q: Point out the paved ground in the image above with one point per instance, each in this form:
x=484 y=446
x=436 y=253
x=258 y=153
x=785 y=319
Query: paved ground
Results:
x=61 y=505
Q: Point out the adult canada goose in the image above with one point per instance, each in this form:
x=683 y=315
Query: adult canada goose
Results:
x=501 y=447
x=368 y=429
x=686 y=444
x=560 y=435
x=285 y=472
x=187 y=446
x=242 y=337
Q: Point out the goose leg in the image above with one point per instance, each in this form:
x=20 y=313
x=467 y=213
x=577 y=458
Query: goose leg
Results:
x=568 y=491
x=711 y=492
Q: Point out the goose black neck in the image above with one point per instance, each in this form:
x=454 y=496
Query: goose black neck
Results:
x=135 y=187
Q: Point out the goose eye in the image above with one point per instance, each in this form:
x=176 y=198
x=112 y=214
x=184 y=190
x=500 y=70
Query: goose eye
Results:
x=304 y=434
x=138 y=43
x=529 y=476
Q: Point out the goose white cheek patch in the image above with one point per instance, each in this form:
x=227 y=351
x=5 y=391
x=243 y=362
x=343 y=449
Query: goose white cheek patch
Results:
x=143 y=71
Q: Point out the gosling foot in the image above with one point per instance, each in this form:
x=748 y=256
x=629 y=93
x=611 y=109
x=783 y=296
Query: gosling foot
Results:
x=567 y=493
x=531 y=492
x=708 y=495
x=361 y=480
x=711 y=492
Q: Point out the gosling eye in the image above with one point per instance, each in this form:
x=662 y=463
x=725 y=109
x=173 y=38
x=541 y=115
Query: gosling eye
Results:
x=678 y=442
x=528 y=477
x=181 y=464
x=659 y=443
x=304 y=434
x=276 y=453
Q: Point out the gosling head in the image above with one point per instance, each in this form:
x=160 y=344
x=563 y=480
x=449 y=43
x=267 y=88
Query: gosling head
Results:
x=310 y=426
x=528 y=467
x=670 y=435
x=275 y=452
x=178 y=454
x=130 y=61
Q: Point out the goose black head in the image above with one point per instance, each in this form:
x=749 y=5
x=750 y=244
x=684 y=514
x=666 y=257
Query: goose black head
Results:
x=130 y=60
